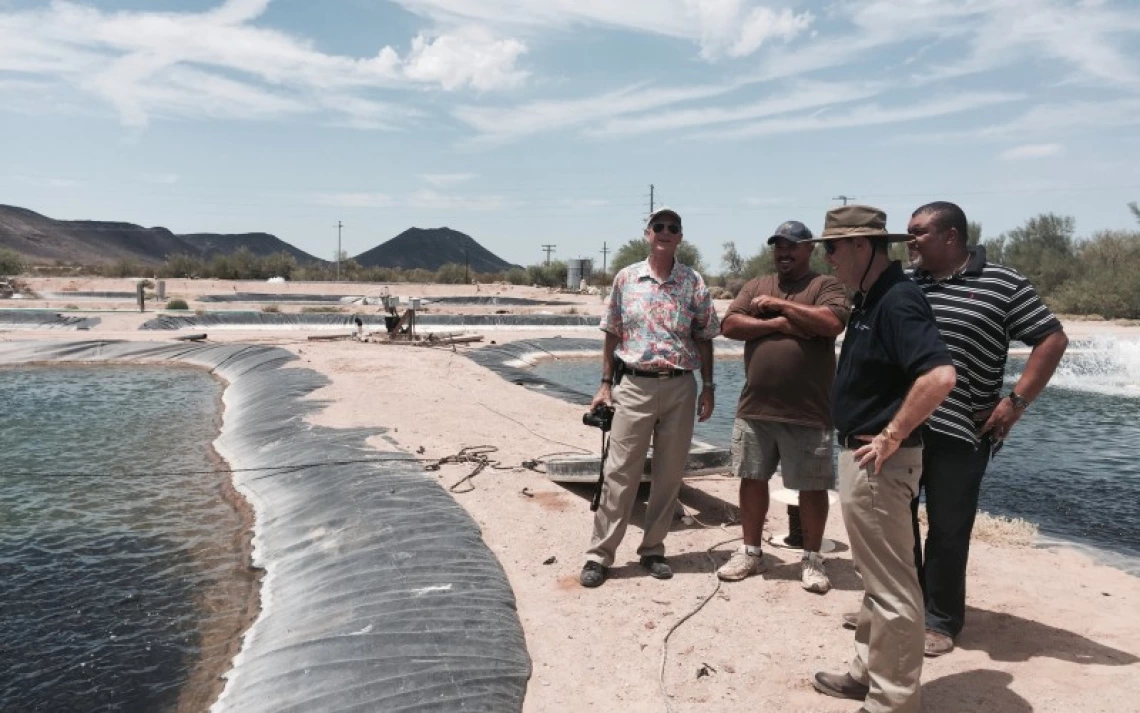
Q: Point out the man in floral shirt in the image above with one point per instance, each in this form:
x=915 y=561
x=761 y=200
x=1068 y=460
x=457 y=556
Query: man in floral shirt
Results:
x=659 y=323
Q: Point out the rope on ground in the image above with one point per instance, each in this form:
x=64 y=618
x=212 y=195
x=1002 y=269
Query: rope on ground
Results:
x=479 y=455
x=682 y=620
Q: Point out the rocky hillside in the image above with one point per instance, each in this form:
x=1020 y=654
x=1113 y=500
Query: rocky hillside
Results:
x=39 y=239
x=431 y=248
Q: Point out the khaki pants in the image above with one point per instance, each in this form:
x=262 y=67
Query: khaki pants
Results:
x=890 y=633
x=645 y=408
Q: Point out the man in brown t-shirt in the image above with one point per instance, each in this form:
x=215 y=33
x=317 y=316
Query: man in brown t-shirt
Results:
x=789 y=322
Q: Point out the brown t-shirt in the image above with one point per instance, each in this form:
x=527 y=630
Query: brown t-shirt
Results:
x=789 y=379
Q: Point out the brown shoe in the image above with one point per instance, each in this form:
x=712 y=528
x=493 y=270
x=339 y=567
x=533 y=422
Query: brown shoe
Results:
x=839 y=685
x=937 y=644
x=851 y=620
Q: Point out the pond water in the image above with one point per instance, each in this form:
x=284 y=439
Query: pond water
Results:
x=123 y=551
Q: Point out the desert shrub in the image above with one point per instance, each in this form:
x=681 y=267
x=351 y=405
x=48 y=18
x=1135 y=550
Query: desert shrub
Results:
x=10 y=262
x=270 y=309
x=177 y=304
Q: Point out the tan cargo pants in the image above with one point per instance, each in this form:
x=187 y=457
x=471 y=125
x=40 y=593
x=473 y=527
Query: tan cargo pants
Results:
x=645 y=408
x=890 y=633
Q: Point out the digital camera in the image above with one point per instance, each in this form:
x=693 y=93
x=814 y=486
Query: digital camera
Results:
x=601 y=416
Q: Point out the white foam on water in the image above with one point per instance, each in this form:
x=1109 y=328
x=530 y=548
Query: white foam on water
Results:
x=1103 y=365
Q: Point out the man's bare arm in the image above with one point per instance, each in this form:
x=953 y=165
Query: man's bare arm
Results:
x=744 y=327
x=819 y=320
x=605 y=391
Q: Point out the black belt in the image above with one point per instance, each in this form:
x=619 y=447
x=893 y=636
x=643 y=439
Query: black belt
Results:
x=914 y=440
x=662 y=374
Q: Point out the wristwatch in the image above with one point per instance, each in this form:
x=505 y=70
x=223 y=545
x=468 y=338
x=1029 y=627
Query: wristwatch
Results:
x=1019 y=402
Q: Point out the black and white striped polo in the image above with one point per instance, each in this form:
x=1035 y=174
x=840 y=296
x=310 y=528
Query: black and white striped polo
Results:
x=979 y=310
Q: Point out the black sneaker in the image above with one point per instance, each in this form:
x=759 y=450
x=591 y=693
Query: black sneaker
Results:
x=657 y=566
x=593 y=574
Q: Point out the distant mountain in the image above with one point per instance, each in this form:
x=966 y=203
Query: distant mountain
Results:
x=431 y=248
x=88 y=242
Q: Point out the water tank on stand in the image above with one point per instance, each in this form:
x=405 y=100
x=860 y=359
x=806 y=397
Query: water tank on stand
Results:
x=577 y=270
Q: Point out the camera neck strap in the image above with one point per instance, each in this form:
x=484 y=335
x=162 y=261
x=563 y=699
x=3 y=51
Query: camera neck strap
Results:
x=597 y=500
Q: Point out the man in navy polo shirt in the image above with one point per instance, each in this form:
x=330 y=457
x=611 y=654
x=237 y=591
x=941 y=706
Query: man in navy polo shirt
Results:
x=894 y=370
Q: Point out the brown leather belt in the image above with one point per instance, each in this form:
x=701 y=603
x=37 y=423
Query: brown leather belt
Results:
x=914 y=440
x=662 y=374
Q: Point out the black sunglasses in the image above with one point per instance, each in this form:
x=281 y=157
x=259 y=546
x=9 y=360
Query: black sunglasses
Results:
x=829 y=246
x=673 y=227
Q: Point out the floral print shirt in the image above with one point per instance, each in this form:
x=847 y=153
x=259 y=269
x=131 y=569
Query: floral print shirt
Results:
x=657 y=322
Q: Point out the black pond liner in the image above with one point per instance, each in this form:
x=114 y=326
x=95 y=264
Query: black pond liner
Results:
x=379 y=593
x=346 y=320
x=266 y=297
x=490 y=300
x=43 y=319
x=90 y=295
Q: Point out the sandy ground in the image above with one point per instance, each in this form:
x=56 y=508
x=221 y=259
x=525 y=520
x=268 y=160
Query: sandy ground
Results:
x=1049 y=630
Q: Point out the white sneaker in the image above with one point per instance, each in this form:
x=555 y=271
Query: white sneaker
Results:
x=813 y=575
x=741 y=566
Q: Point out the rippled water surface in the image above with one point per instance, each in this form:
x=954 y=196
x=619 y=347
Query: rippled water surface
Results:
x=1072 y=465
x=124 y=585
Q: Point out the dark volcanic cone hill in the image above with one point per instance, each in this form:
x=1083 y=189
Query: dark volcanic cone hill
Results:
x=432 y=248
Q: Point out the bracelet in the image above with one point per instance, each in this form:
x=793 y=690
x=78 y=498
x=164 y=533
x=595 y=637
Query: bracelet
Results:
x=888 y=434
x=711 y=386
x=606 y=380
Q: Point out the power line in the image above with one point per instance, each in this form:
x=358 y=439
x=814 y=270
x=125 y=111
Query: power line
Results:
x=843 y=198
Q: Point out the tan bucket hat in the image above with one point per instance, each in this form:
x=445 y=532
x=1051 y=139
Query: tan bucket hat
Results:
x=857 y=221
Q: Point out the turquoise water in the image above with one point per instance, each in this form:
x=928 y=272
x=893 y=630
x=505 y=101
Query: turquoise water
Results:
x=1072 y=464
x=125 y=583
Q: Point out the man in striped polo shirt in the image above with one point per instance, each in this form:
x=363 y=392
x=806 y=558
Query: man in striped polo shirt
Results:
x=979 y=307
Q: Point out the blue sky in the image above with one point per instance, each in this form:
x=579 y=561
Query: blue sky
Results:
x=524 y=122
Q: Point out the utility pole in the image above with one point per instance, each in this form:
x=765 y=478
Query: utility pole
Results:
x=843 y=198
x=605 y=256
x=651 y=199
x=339 y=225
x=549 y=249
x=466 y=266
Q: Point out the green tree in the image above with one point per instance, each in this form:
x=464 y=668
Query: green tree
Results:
x=731 y=262
x=451 y=274
x=974 y=231
x=279 y=264
x=638 y=249
x=10 y=262
x=1042 y=249
x=1135 y=208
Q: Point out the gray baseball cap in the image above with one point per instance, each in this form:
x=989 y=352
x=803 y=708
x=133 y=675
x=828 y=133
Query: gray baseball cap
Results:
x=792 y=231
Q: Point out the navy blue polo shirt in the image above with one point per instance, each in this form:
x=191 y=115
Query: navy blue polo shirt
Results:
x=891 y=340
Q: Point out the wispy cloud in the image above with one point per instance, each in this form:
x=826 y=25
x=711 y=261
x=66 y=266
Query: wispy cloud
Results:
x=1030 y=151
x=162 y=179
x=499 y=124
x=721 y=28
x=447 y=179
x=805 y=95
x=50 y=182
x=419 y=200
x=862 y=115
x=219 y=64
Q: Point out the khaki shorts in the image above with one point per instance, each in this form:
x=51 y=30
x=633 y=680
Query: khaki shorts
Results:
x=803 y=453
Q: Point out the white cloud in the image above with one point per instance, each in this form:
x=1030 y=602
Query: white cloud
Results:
x=51 y=182
x=218 y=64
x=447 y=179
x=419 y=200
x=498 y=124
x=863 y=115
x=734 y=28
x=805 y=95
x=1031 y=151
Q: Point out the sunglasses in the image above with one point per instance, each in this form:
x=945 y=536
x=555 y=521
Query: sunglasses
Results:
x=829 y=246
x=673 y=228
